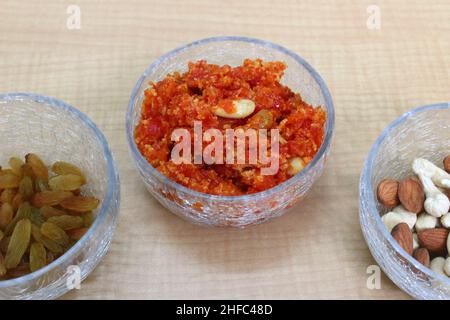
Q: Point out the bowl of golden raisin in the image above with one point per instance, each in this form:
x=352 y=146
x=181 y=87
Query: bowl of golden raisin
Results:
x=59 y=197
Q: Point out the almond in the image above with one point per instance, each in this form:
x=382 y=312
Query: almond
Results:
x=447 y=163
x=423 y=256
x=387 y=193
x=411 y=195
x=435 y=240
x=404 y=237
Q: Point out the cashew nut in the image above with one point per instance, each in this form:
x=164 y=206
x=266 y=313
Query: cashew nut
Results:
x=399 y=215
x=425 y=221
x=296 y=165
x=439 y=176
x=445 y=220
x=447 y=266
x=448 y=243
x=437 y=265
x=437 y=204
x=242 y=109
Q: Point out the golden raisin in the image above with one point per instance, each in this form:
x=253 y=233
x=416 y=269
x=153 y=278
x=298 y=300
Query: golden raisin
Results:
x=7 y=195
x=23 y=212
x=49 y=198
x=63 y=168
x=67 y=222
x=77 y=234
x=88 y=219
x=8 y=180
x=80 y=203
x=26 y=187
x=48 y=243
x=67 y=182
x=55 y=233
x=48 y=212
x=17 y=201
x=38 y=166
x=38 y=256
x=6 y=215
x=18 y=243
x=16 y=166
x=33 y=232
x=2 y=265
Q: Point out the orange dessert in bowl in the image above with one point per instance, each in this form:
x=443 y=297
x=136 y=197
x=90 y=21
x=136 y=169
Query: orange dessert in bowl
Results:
x=229 y=136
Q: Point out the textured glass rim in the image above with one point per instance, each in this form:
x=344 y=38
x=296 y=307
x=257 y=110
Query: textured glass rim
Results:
x=369 y=196
x=113 y=181
x=329 y=126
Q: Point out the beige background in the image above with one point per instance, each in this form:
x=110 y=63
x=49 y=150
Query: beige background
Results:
x=314 y=251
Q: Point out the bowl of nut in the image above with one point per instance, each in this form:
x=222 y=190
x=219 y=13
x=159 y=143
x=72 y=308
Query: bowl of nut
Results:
x=404 y=201
x=229 y=131
x=59 y=197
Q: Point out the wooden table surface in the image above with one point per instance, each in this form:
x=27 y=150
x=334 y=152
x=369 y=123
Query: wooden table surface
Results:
x=314 y=251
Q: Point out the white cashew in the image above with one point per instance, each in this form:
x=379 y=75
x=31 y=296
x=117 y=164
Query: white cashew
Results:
x=447 y=266
x=445 y=220
x=242 y=109
x=399 y=215
x=437 y=265
x=425 y=221
x=439 y=176
x=415 y=241
x=401 y=209
x=448 y=243
x=296 y=165
x=437 y=204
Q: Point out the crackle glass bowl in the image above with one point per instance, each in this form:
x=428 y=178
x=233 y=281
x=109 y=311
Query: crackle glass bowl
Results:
x=56 y=131
x=422 y=132
x=234 y=211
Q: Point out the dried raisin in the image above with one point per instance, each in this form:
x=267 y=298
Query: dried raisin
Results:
x=18 y=244
x=6 y=215
x=38 y=166
x=38 y=256
x=48 y=212
x=67 y=222
x=80 y=203
x=67 y=182
x=62 y=168
x=8 y=180
x=49 y=198
x=55 y=233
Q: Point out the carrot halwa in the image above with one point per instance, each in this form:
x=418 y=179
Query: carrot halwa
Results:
x=182 y=98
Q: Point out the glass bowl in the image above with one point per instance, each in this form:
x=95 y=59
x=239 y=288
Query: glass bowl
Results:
x=234 y=211
x=422 y=132
x=57 y=131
